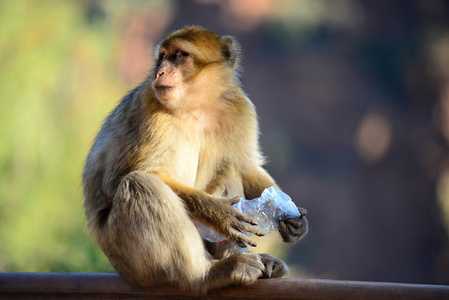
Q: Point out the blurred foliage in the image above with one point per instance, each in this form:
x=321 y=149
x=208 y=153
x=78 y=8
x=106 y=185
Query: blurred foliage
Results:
x=56 y=86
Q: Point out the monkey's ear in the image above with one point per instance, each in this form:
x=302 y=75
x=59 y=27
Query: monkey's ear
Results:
x=231 y=50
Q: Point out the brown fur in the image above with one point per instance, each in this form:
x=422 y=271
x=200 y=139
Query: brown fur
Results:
x=181 y=146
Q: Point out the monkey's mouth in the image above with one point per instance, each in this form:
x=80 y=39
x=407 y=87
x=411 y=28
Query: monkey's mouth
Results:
x=163 y=92
x=163 y=88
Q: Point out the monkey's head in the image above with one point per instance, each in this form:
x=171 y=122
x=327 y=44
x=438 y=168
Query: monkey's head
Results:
x=192 y=66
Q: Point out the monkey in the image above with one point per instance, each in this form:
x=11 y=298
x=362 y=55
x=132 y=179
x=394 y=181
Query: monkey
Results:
x=180 y=148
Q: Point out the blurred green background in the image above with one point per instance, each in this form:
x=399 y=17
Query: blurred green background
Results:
x=57 y=82
x=352 y=96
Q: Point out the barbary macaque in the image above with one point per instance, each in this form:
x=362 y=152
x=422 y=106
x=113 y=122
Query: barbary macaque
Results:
x=181 y=148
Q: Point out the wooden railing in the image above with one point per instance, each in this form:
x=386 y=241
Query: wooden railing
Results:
x=107 y=286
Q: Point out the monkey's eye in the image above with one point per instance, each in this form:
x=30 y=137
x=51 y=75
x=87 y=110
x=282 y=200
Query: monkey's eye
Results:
x=162 y=56
x=179 y=54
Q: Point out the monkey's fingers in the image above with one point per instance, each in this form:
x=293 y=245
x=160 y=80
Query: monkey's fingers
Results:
x=245 y=218
x=251 y=243
x=234 y=200
x=289 y=225
x=241 y=239
x=293 y=223
x=245 y=227
x=231 y=201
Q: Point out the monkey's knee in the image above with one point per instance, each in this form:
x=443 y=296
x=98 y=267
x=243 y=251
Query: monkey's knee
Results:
x=140 y=186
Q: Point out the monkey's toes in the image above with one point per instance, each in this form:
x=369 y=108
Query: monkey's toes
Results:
x=274 y=268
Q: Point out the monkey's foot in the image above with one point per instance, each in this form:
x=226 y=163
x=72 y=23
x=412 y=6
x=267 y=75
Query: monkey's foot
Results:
x=240 y=269
x=248 y=268
x=274 y=268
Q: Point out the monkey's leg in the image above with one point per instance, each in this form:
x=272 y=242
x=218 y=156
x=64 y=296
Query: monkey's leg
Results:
x=150 y=238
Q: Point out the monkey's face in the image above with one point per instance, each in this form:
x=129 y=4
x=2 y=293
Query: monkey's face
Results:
x=173 y=71
x=193 y=66
x=183 y=81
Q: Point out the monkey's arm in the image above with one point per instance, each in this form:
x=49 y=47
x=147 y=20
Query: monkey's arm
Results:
x=291 y=230
x=216 y=212
x=255 y=182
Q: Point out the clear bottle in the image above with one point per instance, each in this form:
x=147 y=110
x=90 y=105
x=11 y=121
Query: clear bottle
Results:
x=272 y=205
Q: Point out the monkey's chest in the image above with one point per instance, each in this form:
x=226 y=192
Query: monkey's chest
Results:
x=184 y=165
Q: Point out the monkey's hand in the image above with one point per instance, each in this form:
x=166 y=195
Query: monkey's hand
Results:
x=229 y=221
x=292 y=230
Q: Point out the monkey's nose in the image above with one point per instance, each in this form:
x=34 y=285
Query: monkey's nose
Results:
x=159 y=74
x=302 y=211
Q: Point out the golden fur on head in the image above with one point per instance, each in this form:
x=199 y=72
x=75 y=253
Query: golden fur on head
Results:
x=206 y=45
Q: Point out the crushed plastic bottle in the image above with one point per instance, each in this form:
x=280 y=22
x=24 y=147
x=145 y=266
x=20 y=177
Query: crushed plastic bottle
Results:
x=272 y=206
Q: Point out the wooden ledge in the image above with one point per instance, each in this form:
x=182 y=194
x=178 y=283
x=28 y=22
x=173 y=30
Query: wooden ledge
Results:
x=95 y=285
